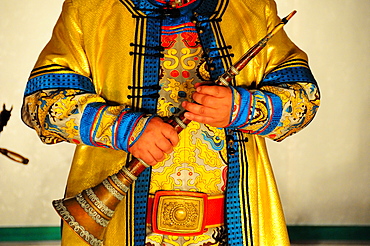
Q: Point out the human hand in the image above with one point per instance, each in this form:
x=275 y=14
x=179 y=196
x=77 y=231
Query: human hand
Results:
x=214 y=105
x=158 y=139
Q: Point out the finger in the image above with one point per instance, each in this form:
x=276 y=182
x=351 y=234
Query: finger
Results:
x=171 y=135
x=146 y=157
x=201 y=119
x=165 y=146
x=200 y=109
x=206 y=100
x=157 y=153
x=215 y=90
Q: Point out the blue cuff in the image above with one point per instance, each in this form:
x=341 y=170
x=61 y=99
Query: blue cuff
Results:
x=93 y=112
x=121 y=129
x=274 y=118
x=126 y=126
x=243 y=114
x=246 y=111
x=147 y=118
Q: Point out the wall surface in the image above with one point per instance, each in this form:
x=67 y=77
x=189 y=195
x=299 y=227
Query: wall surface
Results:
x=27 y=191
x=322 y=172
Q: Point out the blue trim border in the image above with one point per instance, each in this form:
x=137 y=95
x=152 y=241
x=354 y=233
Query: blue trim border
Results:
x=59 y=81
x=288 y=75
x=297 y=233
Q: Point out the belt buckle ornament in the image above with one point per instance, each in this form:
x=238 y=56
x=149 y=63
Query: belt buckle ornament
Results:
x=179 y=213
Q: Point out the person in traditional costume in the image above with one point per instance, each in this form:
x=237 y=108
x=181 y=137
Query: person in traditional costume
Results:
x=115 y=70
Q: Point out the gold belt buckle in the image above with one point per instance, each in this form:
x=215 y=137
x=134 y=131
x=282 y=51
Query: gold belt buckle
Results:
x=179 y=213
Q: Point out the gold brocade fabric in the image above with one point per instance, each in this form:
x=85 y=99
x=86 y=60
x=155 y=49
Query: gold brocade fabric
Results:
x=92 y=38
x=197 y=162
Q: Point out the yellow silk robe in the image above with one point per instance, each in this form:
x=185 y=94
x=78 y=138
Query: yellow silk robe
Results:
x=92 y=39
